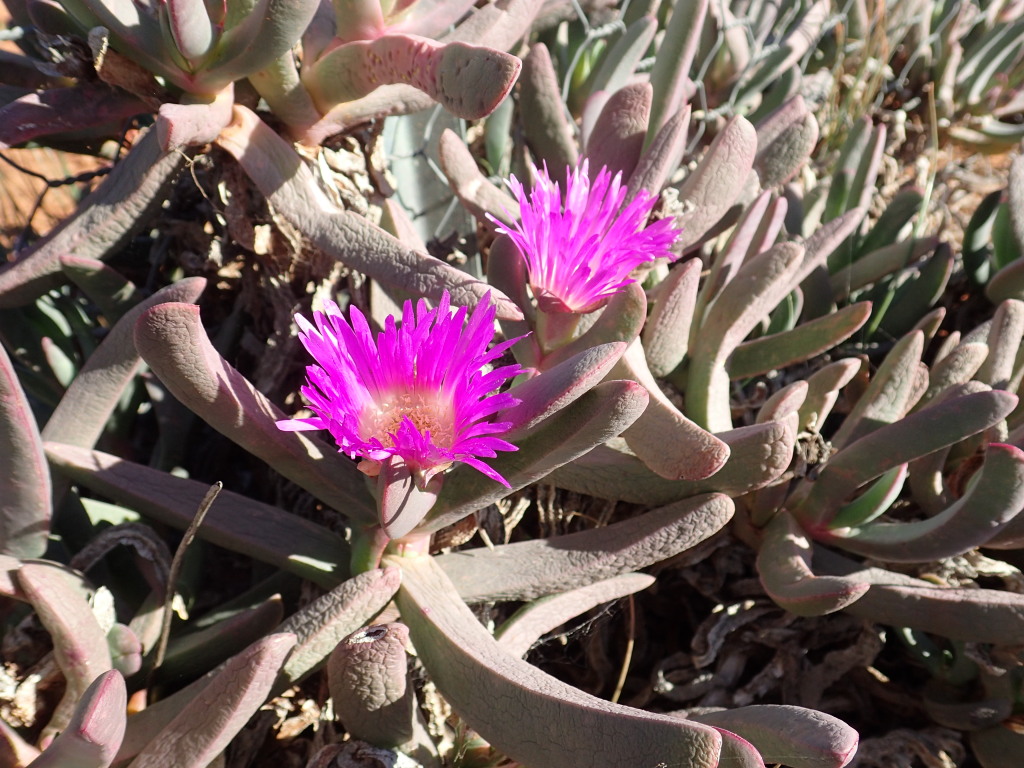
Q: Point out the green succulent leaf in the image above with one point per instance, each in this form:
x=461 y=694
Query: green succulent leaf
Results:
x=995 y=497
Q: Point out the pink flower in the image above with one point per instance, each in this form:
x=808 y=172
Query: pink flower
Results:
x=422 y=391
x=580 y=253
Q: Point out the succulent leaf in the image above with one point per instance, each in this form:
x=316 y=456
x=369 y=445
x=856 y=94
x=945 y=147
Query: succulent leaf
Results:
x=784 y=566
x=203 y=728
x=616 y=138
x=234 y=521
x=79 y=644
x=369 y=681
x=290 y=188
x=107 y=217
x=502 y=697
x=916 y=435
x=672 y=445
x=597 y=416
x=802 y=343
x=533 y=569
x=758 y=454
x=992 y=501
x=25 y=500
x=548 y=131
x=93 y=735
x=172 y=340
x=672 y=63
x=468 y=80
x=538 y=617
x=718 y=180
x=800 y=737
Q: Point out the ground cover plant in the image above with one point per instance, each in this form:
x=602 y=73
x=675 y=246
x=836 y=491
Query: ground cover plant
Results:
x=512 y=383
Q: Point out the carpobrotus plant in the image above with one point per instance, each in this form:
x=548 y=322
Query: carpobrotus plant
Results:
x=705 y=360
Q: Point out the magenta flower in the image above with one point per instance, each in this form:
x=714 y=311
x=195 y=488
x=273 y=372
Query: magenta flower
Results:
x=580 y=253
x=422 y=391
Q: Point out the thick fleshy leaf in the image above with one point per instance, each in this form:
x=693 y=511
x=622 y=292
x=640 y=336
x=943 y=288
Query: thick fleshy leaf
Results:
x=617 y=66
x=25 y=502
x=796 y=736
x=663 y=438
x=546 y=394
x=666 y=333
x=758 y=455
x=172 y=340
x=194 y=123
x=1004 y=340
x=503 y=697
x=497 y=25
x=756 y=231
x=369 y=681
x=960 y=613
x=874 y=502
x=279 y=85
x=79 y=644
x=957 y=367
x=62 y=110
x=550 y=136
x=93 y=735
x=672 y=63
x=874 y=266
x=111 y=214
x=920 y=292
x=780 y=350
x=995 y=497
x=318 y=627
x=106 y=287
x=473 y=189
x=887 y=398
x=86 y=407
x=823 y=390
x=593 y=419
x=717 y=182
x=190 y=27
x=234 y=522
x=256 y=33
x=912 y=437
x=1007 y=283
x=617 y=136
x=198 y=651
x=203 y=729
x=784 y=566
x=661 y=158
x=467 y=80
x=785 y=140
x=531 y=569
x=737 y=752
x=747 y=299
x=535 y=619
x=322 y=624
x=291 y=190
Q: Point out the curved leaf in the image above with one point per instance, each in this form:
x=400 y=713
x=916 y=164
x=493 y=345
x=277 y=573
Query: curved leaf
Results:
x=531 y=569
x=172 y=340
x=503 y=697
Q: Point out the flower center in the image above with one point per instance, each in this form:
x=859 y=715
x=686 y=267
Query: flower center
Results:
x=425 y=412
